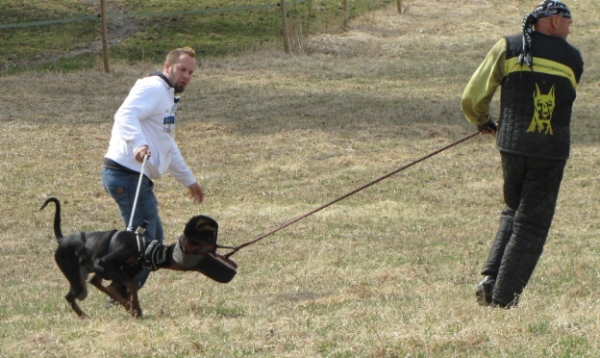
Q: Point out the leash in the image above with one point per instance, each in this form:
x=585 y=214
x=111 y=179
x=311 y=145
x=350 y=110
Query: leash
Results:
x=137 y=194
x=139 y=233
x=238 y=248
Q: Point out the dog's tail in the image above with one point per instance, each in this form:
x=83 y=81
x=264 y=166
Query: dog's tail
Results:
x=57 y=230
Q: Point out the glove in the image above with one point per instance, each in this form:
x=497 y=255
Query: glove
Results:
x=489 y=126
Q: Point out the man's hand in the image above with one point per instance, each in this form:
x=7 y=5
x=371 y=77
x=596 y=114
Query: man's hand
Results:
x=141 y=152
x=196 y=193
x=488 y=128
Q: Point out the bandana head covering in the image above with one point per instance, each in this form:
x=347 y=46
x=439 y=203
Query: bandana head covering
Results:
x=546 y=8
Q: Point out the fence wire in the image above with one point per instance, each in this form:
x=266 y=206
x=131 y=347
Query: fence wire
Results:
x=147 y=14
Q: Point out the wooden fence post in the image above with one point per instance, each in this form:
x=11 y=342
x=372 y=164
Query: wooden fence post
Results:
x=104 y=34
x=286 y=39
x=345 y=15
x=399 y=6
x=311 y=16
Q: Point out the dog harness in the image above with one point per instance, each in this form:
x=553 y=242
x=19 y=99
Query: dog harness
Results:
x=151 y=255
x=154 y=255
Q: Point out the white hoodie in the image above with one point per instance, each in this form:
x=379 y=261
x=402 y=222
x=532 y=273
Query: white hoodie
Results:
x=147 y=117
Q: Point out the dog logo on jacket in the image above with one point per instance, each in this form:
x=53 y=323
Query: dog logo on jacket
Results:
x=542 y=115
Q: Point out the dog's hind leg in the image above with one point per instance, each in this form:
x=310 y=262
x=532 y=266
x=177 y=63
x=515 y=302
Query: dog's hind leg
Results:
x=69 y=266
x=72 y=299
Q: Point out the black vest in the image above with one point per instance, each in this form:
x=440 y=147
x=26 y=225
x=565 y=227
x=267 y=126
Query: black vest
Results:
x=536 y=104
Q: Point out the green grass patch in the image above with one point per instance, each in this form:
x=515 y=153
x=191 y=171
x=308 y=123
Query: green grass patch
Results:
x=146 y=31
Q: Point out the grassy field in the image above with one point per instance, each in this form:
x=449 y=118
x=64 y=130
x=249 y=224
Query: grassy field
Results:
x=388 y=272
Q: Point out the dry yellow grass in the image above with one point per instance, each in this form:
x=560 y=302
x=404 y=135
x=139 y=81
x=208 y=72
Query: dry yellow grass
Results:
x=388 y=272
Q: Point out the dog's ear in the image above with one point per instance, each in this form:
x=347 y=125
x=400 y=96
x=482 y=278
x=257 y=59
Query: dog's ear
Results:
x=203 y=228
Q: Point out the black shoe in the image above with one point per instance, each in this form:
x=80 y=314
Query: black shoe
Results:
x=484 y=291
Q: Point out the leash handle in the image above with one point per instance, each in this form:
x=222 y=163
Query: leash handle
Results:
x=137 y=194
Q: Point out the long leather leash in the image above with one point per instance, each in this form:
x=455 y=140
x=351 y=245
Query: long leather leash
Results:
x=239 y=247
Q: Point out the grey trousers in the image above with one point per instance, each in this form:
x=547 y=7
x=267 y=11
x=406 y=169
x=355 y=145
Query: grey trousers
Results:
x=531 y=187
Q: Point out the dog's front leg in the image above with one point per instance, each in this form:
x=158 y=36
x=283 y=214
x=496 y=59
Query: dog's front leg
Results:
x=134 y=302
x=109 y=291
x=131 y=304
x=113 y=269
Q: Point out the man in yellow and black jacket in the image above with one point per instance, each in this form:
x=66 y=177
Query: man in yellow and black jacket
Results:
x=539 y=72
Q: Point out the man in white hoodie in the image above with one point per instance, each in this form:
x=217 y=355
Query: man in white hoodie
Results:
x=144 y=126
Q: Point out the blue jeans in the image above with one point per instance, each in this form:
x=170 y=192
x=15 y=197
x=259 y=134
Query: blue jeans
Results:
x=122 y=187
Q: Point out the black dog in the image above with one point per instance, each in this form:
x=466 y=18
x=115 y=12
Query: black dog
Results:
x=119 y=256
